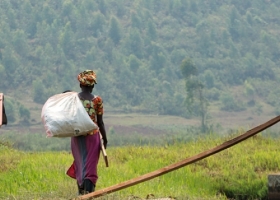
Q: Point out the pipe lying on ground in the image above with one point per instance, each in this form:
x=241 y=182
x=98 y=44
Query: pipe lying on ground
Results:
x=182 y=163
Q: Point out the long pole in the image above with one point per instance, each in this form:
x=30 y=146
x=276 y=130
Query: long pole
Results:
x=183 y=163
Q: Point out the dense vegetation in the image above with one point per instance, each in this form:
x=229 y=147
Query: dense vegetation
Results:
x=137 y=48
x=239 y=172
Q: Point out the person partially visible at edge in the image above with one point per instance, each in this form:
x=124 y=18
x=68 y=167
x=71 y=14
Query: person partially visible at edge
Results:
x=3 y=114
x=86 y=149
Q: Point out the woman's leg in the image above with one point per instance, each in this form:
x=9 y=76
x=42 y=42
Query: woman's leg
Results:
x=80 y=189
x=88 y=186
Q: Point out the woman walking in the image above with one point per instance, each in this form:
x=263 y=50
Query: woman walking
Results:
x=86 y=149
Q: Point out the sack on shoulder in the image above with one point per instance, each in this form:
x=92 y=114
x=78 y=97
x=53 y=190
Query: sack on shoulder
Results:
x=63 y=115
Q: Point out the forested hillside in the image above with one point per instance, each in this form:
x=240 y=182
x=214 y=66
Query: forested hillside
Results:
x=136 y=47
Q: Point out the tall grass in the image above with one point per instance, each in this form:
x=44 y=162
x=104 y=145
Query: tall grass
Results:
x=239 y=172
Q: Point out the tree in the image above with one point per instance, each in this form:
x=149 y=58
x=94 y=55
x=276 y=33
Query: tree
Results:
x=24 y=114
x=195 y=100
x=115 y=30
x=98 y=23
x=209 y=78
x=229 y=103
x=108 y=49
x=158 y=61
x=176 y=7
x=234 y=23
x=48 y=14
x=188 y=68
x=135 y=43
x=152 y=31
x=67 y=41
x=67 y=9
x=177 y=56
x=20 y=43
x=10 y=110
x=38 y=92
x=102 y=6
x=30 y=20
x=135 y=20
x=12 y=19
x=250 y=92
x=2 y=75
x=134 y=63
x=10 y=62
x=120 y=8
x=193 y=6
x=47 y=56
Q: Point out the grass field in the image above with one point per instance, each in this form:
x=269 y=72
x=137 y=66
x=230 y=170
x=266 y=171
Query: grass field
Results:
x=139 y=144
x=239 y=172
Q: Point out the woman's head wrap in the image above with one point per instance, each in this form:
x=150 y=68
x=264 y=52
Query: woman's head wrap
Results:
x=87 y=78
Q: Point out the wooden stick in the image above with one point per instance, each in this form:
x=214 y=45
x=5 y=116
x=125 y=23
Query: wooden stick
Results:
x=103 y=151
x=1 y=108
x=182 y=163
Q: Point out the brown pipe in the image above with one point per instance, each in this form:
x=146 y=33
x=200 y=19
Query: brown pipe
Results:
x=182 y=163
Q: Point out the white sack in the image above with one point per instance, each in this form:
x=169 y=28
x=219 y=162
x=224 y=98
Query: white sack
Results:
x=63 y=115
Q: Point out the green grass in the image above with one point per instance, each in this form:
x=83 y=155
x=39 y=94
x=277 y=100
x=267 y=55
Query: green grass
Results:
x=239 y=172
x=39 y=142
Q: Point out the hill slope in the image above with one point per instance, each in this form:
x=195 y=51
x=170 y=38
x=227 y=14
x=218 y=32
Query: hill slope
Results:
x=136 y=48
